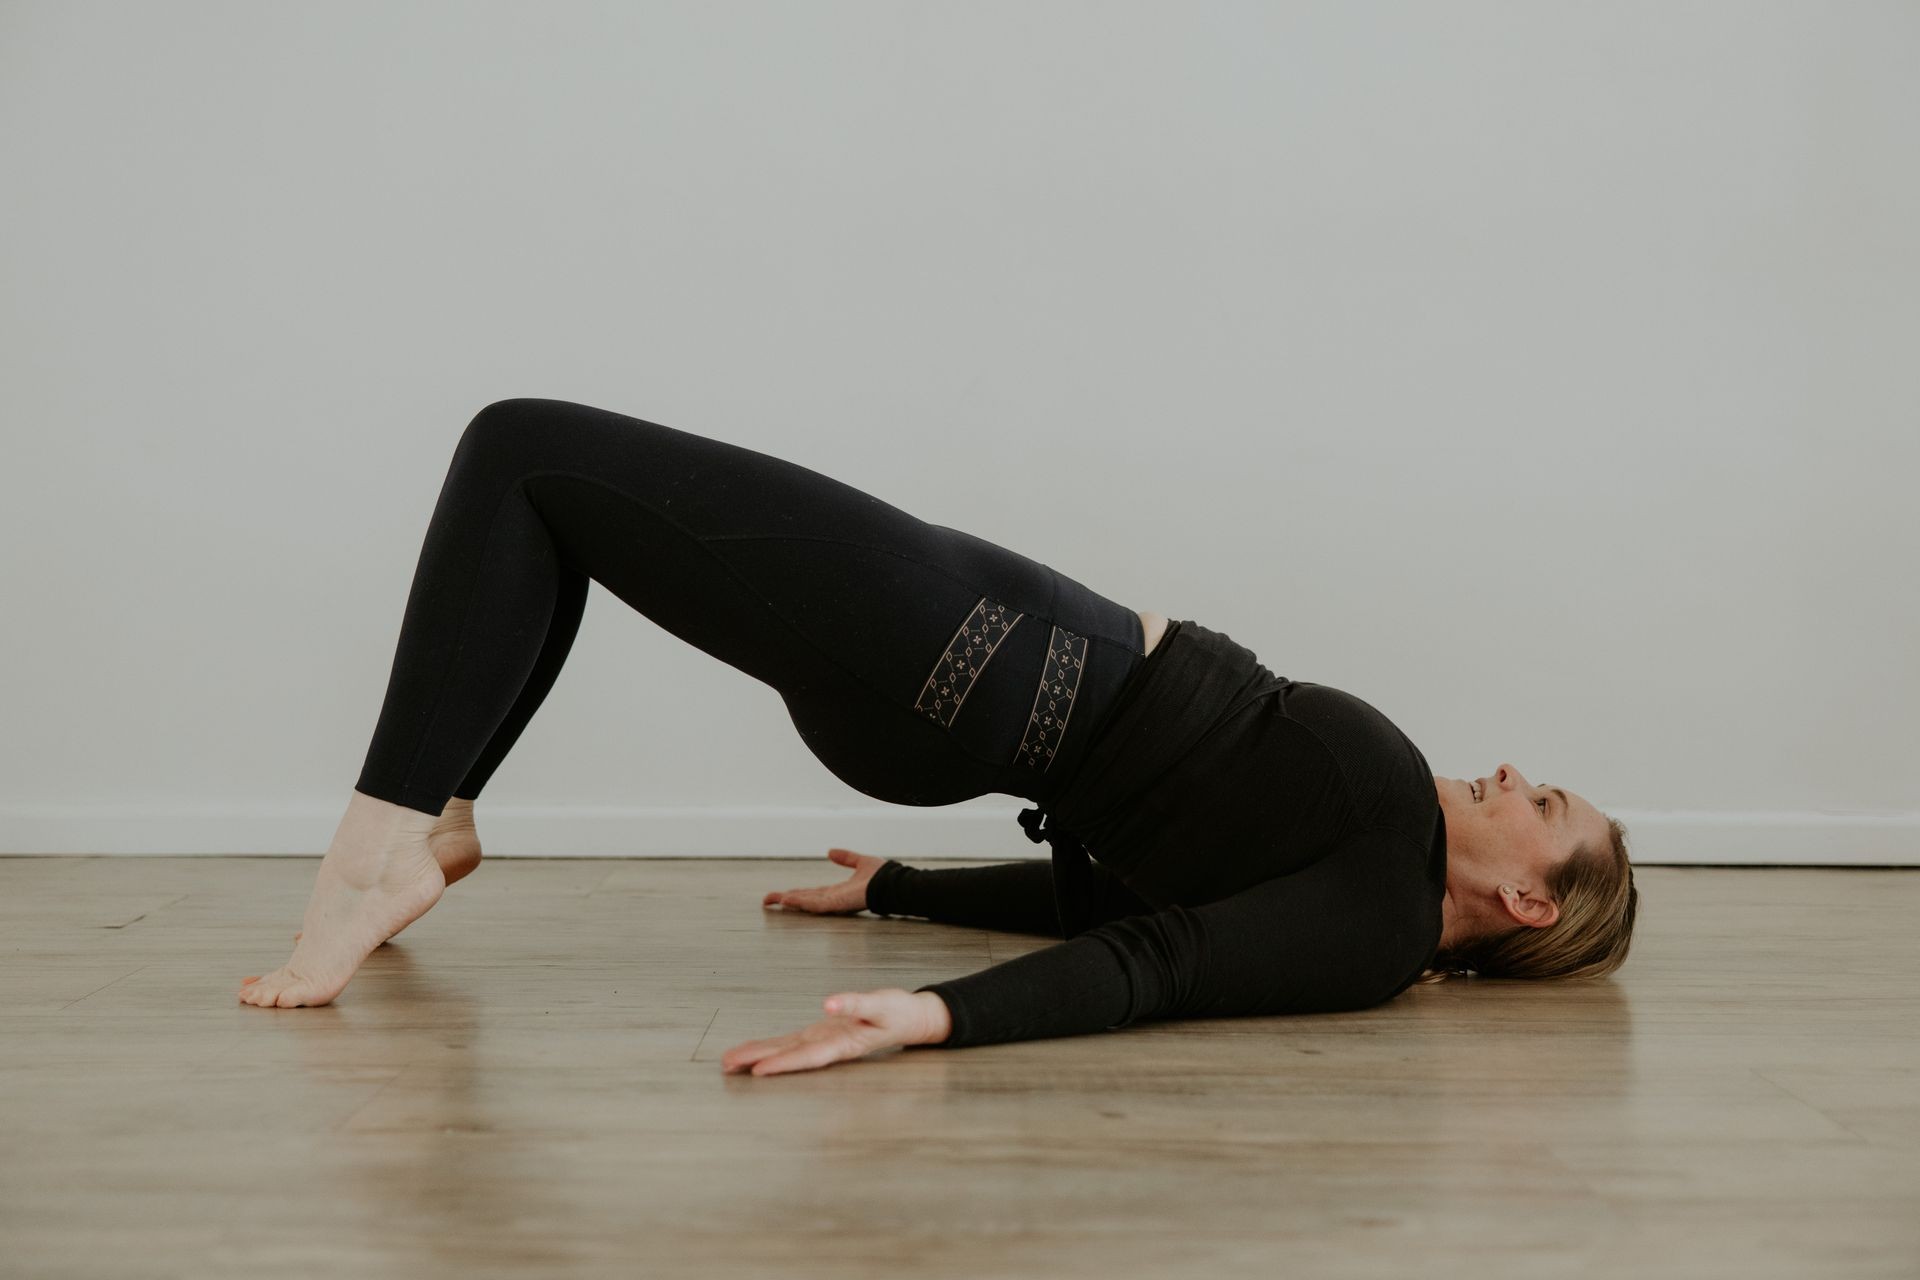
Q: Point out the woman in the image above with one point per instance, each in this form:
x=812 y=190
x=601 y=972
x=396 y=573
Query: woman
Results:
x=1263 y=845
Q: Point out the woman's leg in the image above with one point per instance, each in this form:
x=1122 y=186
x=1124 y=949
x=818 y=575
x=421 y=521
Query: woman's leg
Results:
x=570 y=601
x=921 y=664
x=845 y=605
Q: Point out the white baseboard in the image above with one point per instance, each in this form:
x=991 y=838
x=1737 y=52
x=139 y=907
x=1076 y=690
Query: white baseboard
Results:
x=1887 y=839
x=1778 y=838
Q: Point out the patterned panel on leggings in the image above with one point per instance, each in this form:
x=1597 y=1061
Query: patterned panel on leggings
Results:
x=966 y=656
x=1053 y=701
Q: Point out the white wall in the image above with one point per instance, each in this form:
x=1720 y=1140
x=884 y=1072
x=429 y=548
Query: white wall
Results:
x=1543 y=373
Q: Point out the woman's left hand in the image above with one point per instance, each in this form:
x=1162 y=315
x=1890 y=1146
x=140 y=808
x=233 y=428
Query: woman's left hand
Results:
x=859 y=1023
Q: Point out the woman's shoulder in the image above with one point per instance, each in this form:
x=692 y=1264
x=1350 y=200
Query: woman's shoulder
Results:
x=1387 y=775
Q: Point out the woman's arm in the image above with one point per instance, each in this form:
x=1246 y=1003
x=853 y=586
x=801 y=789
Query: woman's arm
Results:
x=1017 y=897
x=1014 y=896
x=1347 y=932
x=1344 y=933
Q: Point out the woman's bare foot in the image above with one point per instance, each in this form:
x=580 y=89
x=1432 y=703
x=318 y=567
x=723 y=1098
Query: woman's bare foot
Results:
x=378 y=877
x=454 y=843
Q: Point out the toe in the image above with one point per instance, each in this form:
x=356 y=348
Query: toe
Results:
x=262 y=988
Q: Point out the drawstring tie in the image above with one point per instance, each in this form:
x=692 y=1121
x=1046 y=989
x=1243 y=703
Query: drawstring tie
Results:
x=1032 y=819
x=1071 y=888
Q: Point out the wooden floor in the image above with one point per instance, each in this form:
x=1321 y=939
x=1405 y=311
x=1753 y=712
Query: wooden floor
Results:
x=527 y=1083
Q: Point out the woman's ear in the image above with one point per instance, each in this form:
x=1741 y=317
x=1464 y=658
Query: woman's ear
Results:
x=1526 y=909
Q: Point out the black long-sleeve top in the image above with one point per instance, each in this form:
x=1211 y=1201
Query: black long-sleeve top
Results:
x=1233 y=842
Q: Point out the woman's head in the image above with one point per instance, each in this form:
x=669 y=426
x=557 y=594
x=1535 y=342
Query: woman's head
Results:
x=1538 y=881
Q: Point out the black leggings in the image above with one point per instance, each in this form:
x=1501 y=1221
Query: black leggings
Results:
x=921 y=664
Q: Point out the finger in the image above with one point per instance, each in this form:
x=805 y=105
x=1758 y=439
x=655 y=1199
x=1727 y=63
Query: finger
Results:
x=754 y=1050
x=845 y=857
x=854 y=1004
x=805 y=1057
x=773 y=898
x=748 y=1052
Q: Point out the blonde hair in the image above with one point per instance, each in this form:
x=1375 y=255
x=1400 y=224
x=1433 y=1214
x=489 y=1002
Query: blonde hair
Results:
x=1594 y=888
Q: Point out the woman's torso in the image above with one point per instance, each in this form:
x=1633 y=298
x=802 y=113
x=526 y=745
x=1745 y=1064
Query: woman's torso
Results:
x=1156 y=625
x=1220 y=773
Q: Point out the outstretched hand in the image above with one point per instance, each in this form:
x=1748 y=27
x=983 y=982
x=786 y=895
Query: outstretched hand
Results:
x=859 y=1023
x=845 y=898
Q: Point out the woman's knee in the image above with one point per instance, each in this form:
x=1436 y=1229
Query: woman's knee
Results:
x=513 y=435
x=507 y=418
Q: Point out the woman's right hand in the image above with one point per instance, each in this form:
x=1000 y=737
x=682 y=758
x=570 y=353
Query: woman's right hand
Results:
x=845 y=898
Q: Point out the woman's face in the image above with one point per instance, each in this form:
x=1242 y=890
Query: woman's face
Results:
x=1506 y=820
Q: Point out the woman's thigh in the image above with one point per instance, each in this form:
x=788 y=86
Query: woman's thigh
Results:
x=920 y=663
